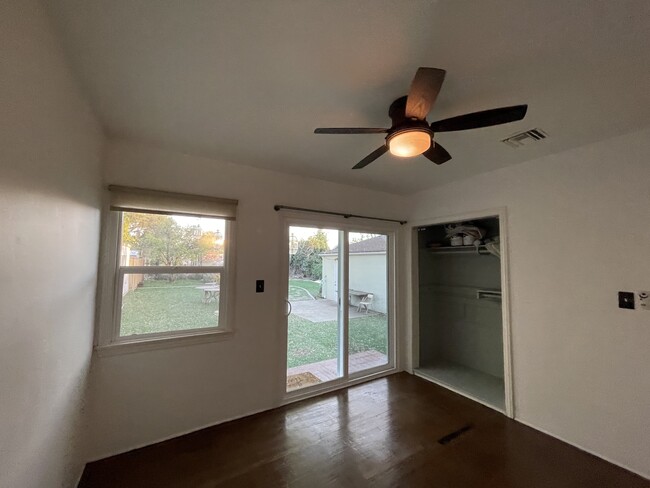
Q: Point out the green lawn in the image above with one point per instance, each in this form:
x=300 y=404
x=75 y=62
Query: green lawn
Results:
x=303 y=290
x=160 y=306
x=309 y=342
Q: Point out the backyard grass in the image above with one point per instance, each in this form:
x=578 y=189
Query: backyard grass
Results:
x=303 y=290
x=309 y=342
x=161 y=306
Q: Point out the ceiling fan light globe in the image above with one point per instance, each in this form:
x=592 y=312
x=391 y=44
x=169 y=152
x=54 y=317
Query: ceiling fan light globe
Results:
x=410 y=143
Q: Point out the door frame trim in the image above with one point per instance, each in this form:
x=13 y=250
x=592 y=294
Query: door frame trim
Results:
x=413 y=320
x=299 y=220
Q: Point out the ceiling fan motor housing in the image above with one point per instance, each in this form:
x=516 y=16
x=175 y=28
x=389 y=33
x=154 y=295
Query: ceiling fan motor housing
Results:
x=397 y=111
x=401 y=122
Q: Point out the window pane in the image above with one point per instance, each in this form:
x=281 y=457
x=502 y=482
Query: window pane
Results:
x=314 y=325
x=154 y=303
x=171 y=240
x=368 y=288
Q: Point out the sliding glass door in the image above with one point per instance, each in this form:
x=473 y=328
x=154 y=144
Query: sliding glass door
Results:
x=368 y=301
x=339 y=305
x=314 y=324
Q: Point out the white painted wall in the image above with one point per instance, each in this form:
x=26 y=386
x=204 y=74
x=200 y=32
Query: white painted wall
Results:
x=141 y=398
x=50 y=147
x=579 y=225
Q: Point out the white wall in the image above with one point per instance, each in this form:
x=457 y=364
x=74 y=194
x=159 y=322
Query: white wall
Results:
x=50 y=185
x=143 y=397
x=579 y=225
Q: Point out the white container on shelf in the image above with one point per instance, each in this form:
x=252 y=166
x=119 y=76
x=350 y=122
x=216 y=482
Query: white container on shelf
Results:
x=457 y=241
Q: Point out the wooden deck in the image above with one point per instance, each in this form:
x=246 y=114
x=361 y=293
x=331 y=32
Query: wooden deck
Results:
x=327 y=370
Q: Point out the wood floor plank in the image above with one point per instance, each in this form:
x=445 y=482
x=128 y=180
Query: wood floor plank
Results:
x=384 y=433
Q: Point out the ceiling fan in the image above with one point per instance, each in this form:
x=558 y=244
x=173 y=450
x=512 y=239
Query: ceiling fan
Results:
x=410 y=134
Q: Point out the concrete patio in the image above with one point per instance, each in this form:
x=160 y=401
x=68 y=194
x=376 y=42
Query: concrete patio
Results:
x=323 y=310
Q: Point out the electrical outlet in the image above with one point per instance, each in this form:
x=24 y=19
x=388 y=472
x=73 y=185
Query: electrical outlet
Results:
x=626 y=300
x=643 y=300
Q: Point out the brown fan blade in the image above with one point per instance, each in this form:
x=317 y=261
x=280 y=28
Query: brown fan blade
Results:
x=437 y=154
x=424 y=91
x=485 y=118
x=350 y=130
x=371 y=157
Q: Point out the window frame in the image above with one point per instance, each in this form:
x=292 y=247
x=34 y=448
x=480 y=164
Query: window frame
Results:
x=108 y=339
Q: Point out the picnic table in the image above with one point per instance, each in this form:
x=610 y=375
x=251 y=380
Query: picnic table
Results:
x=210 y=292
x=358 y=295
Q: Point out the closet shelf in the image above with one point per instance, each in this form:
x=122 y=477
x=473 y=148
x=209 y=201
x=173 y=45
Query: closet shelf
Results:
x=460 y=250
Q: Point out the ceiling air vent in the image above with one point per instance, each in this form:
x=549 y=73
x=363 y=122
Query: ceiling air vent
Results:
x=525 y=138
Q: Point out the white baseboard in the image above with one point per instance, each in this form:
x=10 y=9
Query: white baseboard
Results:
x=83 y=468
x=236 y=417
x=544 y=431
x=179 y=434
x=588 y=451
x=386 y=373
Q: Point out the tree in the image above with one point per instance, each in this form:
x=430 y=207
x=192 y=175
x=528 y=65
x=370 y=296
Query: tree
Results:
x=160 y=240
x=306 y=261
x=210 y=246
x=168 y=244
x=136 y=225
x=318 y=241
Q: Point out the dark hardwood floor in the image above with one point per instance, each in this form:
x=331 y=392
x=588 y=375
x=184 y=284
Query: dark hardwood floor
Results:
x=391 y=432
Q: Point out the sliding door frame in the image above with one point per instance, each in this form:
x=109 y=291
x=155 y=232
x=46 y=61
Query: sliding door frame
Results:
x=341 y=224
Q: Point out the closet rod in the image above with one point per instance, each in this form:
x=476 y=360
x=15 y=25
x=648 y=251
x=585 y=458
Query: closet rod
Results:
x=345 y=215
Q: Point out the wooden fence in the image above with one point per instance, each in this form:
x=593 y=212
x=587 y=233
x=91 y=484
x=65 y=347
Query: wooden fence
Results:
x=135 y=279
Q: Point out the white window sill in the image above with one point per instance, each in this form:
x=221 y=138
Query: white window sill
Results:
x=167 y=342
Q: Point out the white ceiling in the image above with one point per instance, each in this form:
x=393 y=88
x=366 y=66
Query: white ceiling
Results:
x=248 y=81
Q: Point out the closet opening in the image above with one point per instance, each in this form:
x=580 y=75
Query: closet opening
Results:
x=459 y=310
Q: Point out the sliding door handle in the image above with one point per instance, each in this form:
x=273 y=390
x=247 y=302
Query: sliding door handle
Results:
x=290 y=307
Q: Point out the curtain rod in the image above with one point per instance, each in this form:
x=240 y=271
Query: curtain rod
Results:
x=345 y=215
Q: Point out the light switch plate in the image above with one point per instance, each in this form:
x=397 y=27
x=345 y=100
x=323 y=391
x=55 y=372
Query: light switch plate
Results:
x=626 y=300
x=643 y=300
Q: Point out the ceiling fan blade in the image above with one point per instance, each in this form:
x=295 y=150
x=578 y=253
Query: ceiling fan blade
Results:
x=371 y=157
x=350 y=130
x=485 y=118
x=424 y=91
x=437 y=154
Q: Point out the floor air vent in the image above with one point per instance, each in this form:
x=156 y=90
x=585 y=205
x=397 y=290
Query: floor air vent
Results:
x=525 y=138
x=450 y=437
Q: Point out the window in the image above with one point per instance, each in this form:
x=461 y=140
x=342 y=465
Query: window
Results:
x=171 y=272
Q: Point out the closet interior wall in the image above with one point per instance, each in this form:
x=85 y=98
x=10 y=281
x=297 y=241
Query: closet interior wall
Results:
x=461 y=335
